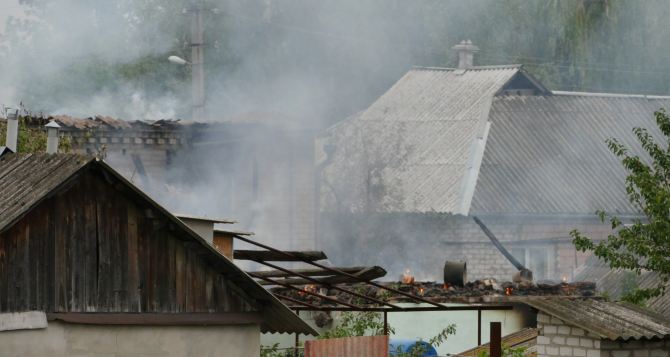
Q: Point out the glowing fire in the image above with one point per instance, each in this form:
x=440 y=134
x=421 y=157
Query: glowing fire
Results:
x=421 y=291
x=445 y=286
x=508 y=291
x=407 y=278
x=564 y=279
x=308 y=288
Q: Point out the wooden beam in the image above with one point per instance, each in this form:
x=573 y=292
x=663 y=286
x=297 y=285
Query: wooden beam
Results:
x=263 y=255
x=308 y=272
x=158 y=319
x=366 y=274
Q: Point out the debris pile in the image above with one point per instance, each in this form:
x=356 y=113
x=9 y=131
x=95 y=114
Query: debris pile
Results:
x=478 y=291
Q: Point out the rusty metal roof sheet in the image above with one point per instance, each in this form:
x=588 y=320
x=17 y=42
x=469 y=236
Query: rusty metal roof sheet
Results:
x=421 y=131
x=28 y=179
x=610 y=320
x=547 y=154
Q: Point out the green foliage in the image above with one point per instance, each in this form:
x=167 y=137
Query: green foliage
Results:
x=643 y=245
x=356 y=324
x=33 y=139
x=507 y=352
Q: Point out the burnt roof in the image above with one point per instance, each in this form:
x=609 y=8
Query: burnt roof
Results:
x=609 y=320
x=28 y=179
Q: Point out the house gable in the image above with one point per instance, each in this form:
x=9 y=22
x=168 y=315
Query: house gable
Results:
x=80 y=239
x=92 y=248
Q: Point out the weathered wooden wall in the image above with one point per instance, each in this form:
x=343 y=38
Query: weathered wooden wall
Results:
x=93 y=248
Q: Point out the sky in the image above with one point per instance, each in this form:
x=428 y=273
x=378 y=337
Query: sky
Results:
x=8 y=8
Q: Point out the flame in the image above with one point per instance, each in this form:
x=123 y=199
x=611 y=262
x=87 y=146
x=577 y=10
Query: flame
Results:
x=445 y=286
x=508 y=291
x=421 y=291
x=564 y=279
x=407 y=277
x=308 y=288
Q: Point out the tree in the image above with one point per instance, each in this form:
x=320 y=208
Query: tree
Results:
x=643 y=245
x=33 y=139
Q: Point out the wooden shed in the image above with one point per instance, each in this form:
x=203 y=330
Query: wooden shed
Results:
x=81 y=246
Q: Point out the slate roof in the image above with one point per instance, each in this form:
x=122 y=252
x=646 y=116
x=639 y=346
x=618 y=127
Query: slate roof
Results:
x=422 y=129
x=28 y=179
x=522 y=338
x=609 y=320
x=613 y=282
x=547 y=154
x=543 y=153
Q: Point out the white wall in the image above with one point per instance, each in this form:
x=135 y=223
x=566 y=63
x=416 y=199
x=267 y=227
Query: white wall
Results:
x=65 y=340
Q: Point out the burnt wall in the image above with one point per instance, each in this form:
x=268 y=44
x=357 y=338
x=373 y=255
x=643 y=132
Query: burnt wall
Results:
x=94 y=247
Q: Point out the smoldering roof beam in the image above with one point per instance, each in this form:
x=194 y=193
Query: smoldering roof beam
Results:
x=294 y=256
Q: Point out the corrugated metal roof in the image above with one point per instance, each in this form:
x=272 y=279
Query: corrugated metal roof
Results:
x=28 y=179
x=522 y=338
x=610 y=320
x=421 y=132
x=547 y=154
x=614 y=282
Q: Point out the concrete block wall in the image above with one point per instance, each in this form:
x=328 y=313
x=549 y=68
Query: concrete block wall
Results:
x=634 y=348
x=557 y=338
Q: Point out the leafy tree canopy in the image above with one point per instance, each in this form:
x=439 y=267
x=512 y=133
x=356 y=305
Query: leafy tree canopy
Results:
x=644 y=244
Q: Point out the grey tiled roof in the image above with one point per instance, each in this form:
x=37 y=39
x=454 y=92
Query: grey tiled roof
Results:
x=547 y=154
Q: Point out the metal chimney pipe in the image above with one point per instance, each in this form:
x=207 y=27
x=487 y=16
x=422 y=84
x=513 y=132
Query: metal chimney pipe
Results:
x=52 y=137
x=12 y=130
x=466 y=54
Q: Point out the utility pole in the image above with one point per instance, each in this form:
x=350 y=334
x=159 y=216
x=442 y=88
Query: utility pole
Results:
x=198 y=61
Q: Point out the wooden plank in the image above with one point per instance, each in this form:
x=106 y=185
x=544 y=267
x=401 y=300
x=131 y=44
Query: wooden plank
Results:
x=265 y=255
x=133 y=269
x=308 y=272
x=159 y=319
x=367 y=274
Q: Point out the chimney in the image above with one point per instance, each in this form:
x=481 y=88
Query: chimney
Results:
x=204 y=227
x=52 y=137
x=12 y=130
x=466 y=53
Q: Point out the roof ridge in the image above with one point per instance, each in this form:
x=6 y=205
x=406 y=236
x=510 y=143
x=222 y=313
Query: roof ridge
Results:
x=608 y=95
x=475 y=68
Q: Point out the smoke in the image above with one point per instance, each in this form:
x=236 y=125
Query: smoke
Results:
x=296 y=67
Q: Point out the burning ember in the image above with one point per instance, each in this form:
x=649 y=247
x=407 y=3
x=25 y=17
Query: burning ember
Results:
x=478 y=291
x=308 y=288
x=407 y=278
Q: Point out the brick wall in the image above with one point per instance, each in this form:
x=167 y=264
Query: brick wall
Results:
x=556 y=338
